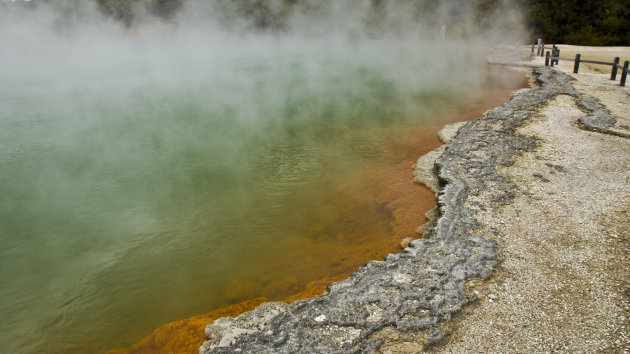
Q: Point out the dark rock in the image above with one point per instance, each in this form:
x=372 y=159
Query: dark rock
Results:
x=541 y=177
x=558 y=168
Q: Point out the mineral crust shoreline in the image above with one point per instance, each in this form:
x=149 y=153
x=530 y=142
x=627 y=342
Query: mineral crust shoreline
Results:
x=406 y=302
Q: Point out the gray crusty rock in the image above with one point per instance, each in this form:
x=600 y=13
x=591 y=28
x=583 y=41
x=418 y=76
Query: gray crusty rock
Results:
x=598 y=118
x=412 y=294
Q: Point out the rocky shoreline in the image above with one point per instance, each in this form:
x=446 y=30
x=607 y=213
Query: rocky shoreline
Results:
x=406 y=303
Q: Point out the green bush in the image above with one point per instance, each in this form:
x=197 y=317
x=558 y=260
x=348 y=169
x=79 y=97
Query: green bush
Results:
x=583 y=22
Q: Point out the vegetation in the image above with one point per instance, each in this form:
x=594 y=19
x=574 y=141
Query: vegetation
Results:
x=585 y=22
x=125 y=10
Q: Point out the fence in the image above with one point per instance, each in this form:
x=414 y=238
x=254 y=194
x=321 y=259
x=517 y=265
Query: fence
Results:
x=553 y=57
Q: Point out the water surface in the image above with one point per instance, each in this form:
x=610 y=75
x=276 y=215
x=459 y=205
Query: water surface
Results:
x=174 y=178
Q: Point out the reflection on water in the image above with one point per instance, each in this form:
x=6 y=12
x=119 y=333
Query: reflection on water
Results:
x=136 y=199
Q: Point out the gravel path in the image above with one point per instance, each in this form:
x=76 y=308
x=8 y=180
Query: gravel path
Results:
x=563 y=278
x=562 y=282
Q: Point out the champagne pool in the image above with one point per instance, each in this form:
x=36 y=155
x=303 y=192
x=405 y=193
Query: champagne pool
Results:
x=149 y=181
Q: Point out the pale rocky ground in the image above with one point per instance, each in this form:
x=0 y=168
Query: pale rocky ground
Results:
x=594 y=80
x=563 y=278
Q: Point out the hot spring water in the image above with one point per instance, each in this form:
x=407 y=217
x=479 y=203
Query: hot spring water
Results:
x=146 y=181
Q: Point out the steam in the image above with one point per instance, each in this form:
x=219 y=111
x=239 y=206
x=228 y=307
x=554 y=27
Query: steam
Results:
x=43 y=38
x=105 y=122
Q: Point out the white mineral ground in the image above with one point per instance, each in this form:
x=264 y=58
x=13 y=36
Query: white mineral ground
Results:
x=563 y=278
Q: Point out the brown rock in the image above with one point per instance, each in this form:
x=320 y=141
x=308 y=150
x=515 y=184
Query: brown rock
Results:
x=405 y=242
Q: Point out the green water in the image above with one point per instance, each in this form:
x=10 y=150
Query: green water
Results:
x=139 y=182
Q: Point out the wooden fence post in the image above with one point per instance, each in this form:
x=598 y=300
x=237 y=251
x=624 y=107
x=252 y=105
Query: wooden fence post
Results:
x=547 y=59
x=557 y=55
x=576 y=66
x=613 y=73
x=624 y=73
x=542 y=49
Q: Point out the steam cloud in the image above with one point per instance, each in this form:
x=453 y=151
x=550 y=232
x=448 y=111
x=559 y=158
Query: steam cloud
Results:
x=98 y=105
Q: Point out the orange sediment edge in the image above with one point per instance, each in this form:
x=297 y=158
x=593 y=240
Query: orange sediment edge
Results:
x=186 y=336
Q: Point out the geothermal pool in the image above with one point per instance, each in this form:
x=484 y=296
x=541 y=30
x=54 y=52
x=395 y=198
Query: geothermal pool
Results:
x=145 y=181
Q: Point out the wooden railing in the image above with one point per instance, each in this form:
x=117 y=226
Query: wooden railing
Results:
x=553 y=57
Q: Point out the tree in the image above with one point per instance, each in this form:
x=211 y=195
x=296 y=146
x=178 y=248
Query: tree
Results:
x=586 y=22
